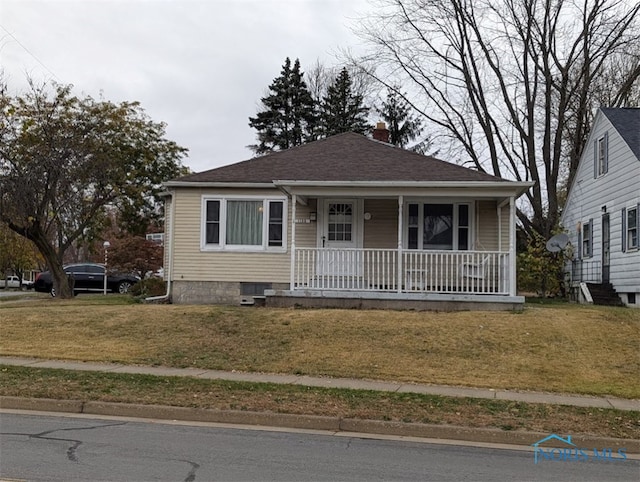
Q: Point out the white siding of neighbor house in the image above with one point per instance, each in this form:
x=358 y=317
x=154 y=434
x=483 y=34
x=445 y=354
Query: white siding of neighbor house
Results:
x=617 y=189
x=190 y=263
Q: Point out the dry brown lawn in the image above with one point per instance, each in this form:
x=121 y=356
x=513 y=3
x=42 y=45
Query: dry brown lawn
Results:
x=563 y=348
x=295 y=399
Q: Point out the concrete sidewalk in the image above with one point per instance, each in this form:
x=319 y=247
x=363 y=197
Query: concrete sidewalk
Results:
x=400 y=387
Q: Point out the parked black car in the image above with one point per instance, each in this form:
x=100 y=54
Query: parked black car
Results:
x=88 y=277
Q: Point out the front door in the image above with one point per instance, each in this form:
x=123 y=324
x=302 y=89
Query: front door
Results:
x=340 y=232
x=605 y=248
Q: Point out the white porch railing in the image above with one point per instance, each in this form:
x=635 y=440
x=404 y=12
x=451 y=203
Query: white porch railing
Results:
x=471 y=272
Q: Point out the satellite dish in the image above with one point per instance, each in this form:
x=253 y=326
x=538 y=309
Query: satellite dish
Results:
x=557 y=243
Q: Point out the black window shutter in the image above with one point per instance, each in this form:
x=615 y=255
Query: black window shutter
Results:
x=591 y=230
x=624 y=229
x=638 y=225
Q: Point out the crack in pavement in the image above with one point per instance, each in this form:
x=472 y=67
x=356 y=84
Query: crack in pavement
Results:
x=191 y=476
x=72 y=450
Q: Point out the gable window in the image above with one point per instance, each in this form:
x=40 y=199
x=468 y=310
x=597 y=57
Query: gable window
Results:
x=601 y=156
x=438 y=226
x=254 y=224
x=631 y=228
x=587 y=231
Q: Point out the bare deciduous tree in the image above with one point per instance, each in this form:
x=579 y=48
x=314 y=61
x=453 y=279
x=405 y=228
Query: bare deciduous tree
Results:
x=511 y=83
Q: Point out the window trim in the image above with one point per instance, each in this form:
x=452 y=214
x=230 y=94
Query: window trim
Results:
x=601 y=164
x=626 y=247
x=222 y=244
x=456 y=223
x=586 y=242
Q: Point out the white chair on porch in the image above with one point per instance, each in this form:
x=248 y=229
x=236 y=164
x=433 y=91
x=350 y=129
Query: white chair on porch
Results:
x=476 y=270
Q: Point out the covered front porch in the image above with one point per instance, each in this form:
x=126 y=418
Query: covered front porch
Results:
x=401 y=271
x=424 y=249
x=393 y=279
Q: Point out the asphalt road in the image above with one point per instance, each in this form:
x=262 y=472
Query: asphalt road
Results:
x=39 y=447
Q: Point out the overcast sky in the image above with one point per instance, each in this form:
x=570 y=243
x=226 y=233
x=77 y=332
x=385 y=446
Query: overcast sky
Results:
x=200 y=66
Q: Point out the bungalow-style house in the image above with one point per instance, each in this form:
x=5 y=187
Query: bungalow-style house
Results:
x=345 y=221
x=602 y=213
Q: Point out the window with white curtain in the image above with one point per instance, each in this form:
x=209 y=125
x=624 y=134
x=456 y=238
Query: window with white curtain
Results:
x=243 y=223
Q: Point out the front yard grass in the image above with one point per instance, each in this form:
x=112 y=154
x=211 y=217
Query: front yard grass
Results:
x=561 y=348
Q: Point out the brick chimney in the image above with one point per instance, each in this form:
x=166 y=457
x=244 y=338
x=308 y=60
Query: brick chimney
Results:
x=381 y=133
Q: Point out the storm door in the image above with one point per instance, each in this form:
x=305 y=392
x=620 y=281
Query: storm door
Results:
x=339 y=237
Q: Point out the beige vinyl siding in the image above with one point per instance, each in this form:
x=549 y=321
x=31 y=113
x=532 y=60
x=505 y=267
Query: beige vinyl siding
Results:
x=306 y=232
x=487 y=230
x=167 y=234
x=192 y=264
x=381 y=231
x=505 y=213
x=487 y=226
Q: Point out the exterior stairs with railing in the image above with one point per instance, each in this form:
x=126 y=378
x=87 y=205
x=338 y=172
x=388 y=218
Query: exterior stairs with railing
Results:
x=604 y=294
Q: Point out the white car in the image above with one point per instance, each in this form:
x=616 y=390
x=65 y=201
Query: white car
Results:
x=10 y=282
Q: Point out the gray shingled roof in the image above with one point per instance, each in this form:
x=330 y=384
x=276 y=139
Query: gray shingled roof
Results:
x=343 y=157
x=626 y=120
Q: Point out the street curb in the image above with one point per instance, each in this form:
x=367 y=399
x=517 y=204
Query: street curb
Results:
x=308 y=422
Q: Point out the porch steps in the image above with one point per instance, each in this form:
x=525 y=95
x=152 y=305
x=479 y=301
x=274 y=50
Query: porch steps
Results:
x=604 y=294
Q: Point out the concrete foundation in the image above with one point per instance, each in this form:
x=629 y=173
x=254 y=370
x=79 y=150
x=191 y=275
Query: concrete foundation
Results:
x=211 y=292
x=231 y=293
x=392 y=301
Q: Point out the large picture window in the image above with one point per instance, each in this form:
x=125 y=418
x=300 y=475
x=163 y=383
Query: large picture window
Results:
x=438 y=226
x=243 y=224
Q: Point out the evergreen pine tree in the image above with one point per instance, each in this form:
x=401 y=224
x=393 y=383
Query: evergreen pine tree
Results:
x=403 y=126
x=343 y=109
x=288 y=117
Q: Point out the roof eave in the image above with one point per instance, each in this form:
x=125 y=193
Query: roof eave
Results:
x=520 y=186
x=253 y=185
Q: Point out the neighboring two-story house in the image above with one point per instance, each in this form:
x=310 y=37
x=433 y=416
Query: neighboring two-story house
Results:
x=602 y=213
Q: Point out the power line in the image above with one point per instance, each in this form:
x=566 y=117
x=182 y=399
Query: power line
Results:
x=30 y=53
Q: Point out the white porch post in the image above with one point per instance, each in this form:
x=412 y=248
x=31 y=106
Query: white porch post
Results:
x=400 y=203
x=512 y=246
x=294 y=201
